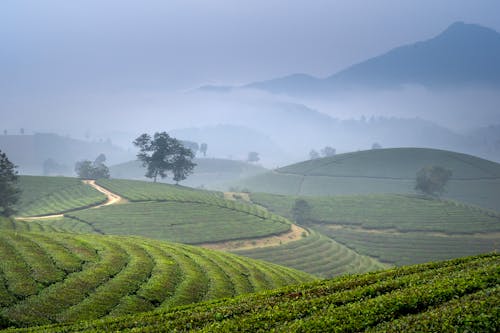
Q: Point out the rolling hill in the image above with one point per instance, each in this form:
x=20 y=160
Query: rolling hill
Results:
x=54 y=278
x=451 y=296
x=395 y=229
x=475 y=181
x=211 y=173
x=193 y=216
x=53 y=195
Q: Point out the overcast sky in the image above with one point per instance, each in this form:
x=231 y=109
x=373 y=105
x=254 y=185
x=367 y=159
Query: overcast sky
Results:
x=179 y=44
x=64 y=63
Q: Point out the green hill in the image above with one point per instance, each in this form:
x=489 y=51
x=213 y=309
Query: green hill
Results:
x=460 y=295
x=397 y=229
x=180 y=214
x=474 y=180
x=53 y=195
x=51 y=277
x=316 y=254
x=208 y=172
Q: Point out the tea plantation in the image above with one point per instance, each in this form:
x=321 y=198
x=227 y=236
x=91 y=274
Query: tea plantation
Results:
x=54 y=195
x=474 y=180
x=56 y=277
x=316 y=254
x=397 y=229
x=461 y=295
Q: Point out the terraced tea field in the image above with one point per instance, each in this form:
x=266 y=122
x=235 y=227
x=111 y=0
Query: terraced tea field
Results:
x=183 y=222
x=318 y=255
x=412 y=247
x=399 y=212
x=397 y=229
x=51 y=277
x=475 y=181
x=56 y=224
x=54 y=195
x=459 y=295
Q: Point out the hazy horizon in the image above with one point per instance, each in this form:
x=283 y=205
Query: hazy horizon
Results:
x=116 y=69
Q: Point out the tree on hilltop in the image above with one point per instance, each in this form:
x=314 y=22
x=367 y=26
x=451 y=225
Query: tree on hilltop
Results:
x=9 y=191
x=432 y=180
x=92 y=170
x=328 y=151
x=162 y=153
x=203 y=149
x=313 y=154
x=253 y=157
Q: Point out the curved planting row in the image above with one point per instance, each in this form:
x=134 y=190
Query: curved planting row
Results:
x=54 y=195
x=390 y=211
x=49 y=277
x=182 y=222
x=143 y=191
x=411 y=248
x=458 y=295
x=316 y=254
x=56 y=224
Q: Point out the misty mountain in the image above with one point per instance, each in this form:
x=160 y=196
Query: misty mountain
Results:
x=29 y=152
x=461 y=56
x=233 y=142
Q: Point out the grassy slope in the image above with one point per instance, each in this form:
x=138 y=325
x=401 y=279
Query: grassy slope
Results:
x=180 y=214
x=50 y=277
x=395 y=228
x=52 y=195
x=182 y=222
x=316 y=254
x=458 y=295
x=474 y=180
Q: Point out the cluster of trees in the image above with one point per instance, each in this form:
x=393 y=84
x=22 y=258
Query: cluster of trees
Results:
x=162 y=153
x=195 y=147
x=9 y=191
x=92 y=170
x=327 y=151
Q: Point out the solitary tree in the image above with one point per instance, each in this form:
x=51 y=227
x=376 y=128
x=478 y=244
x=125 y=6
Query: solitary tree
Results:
x=328 y=151
x=253 y=157
x=203 y=149
x=313 y=154
x=432 y=180
x=301 y=211
x=163 y=153
x=9 y=192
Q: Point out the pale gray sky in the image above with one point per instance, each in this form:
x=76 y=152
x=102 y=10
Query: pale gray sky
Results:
x=178 y=44
x=63 y=63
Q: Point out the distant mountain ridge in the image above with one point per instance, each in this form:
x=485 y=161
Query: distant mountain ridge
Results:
x=462 y=55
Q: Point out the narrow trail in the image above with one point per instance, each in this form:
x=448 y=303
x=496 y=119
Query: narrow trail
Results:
x=112 y=199
x=294 y=234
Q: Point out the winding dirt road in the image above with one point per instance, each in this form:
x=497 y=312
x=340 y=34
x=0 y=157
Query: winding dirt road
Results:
x=112 y=199
x=295 y=233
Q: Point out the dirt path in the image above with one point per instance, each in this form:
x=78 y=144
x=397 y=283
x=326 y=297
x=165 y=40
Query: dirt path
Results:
x=112 y=199
x=295 y=233
x=237 y=196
